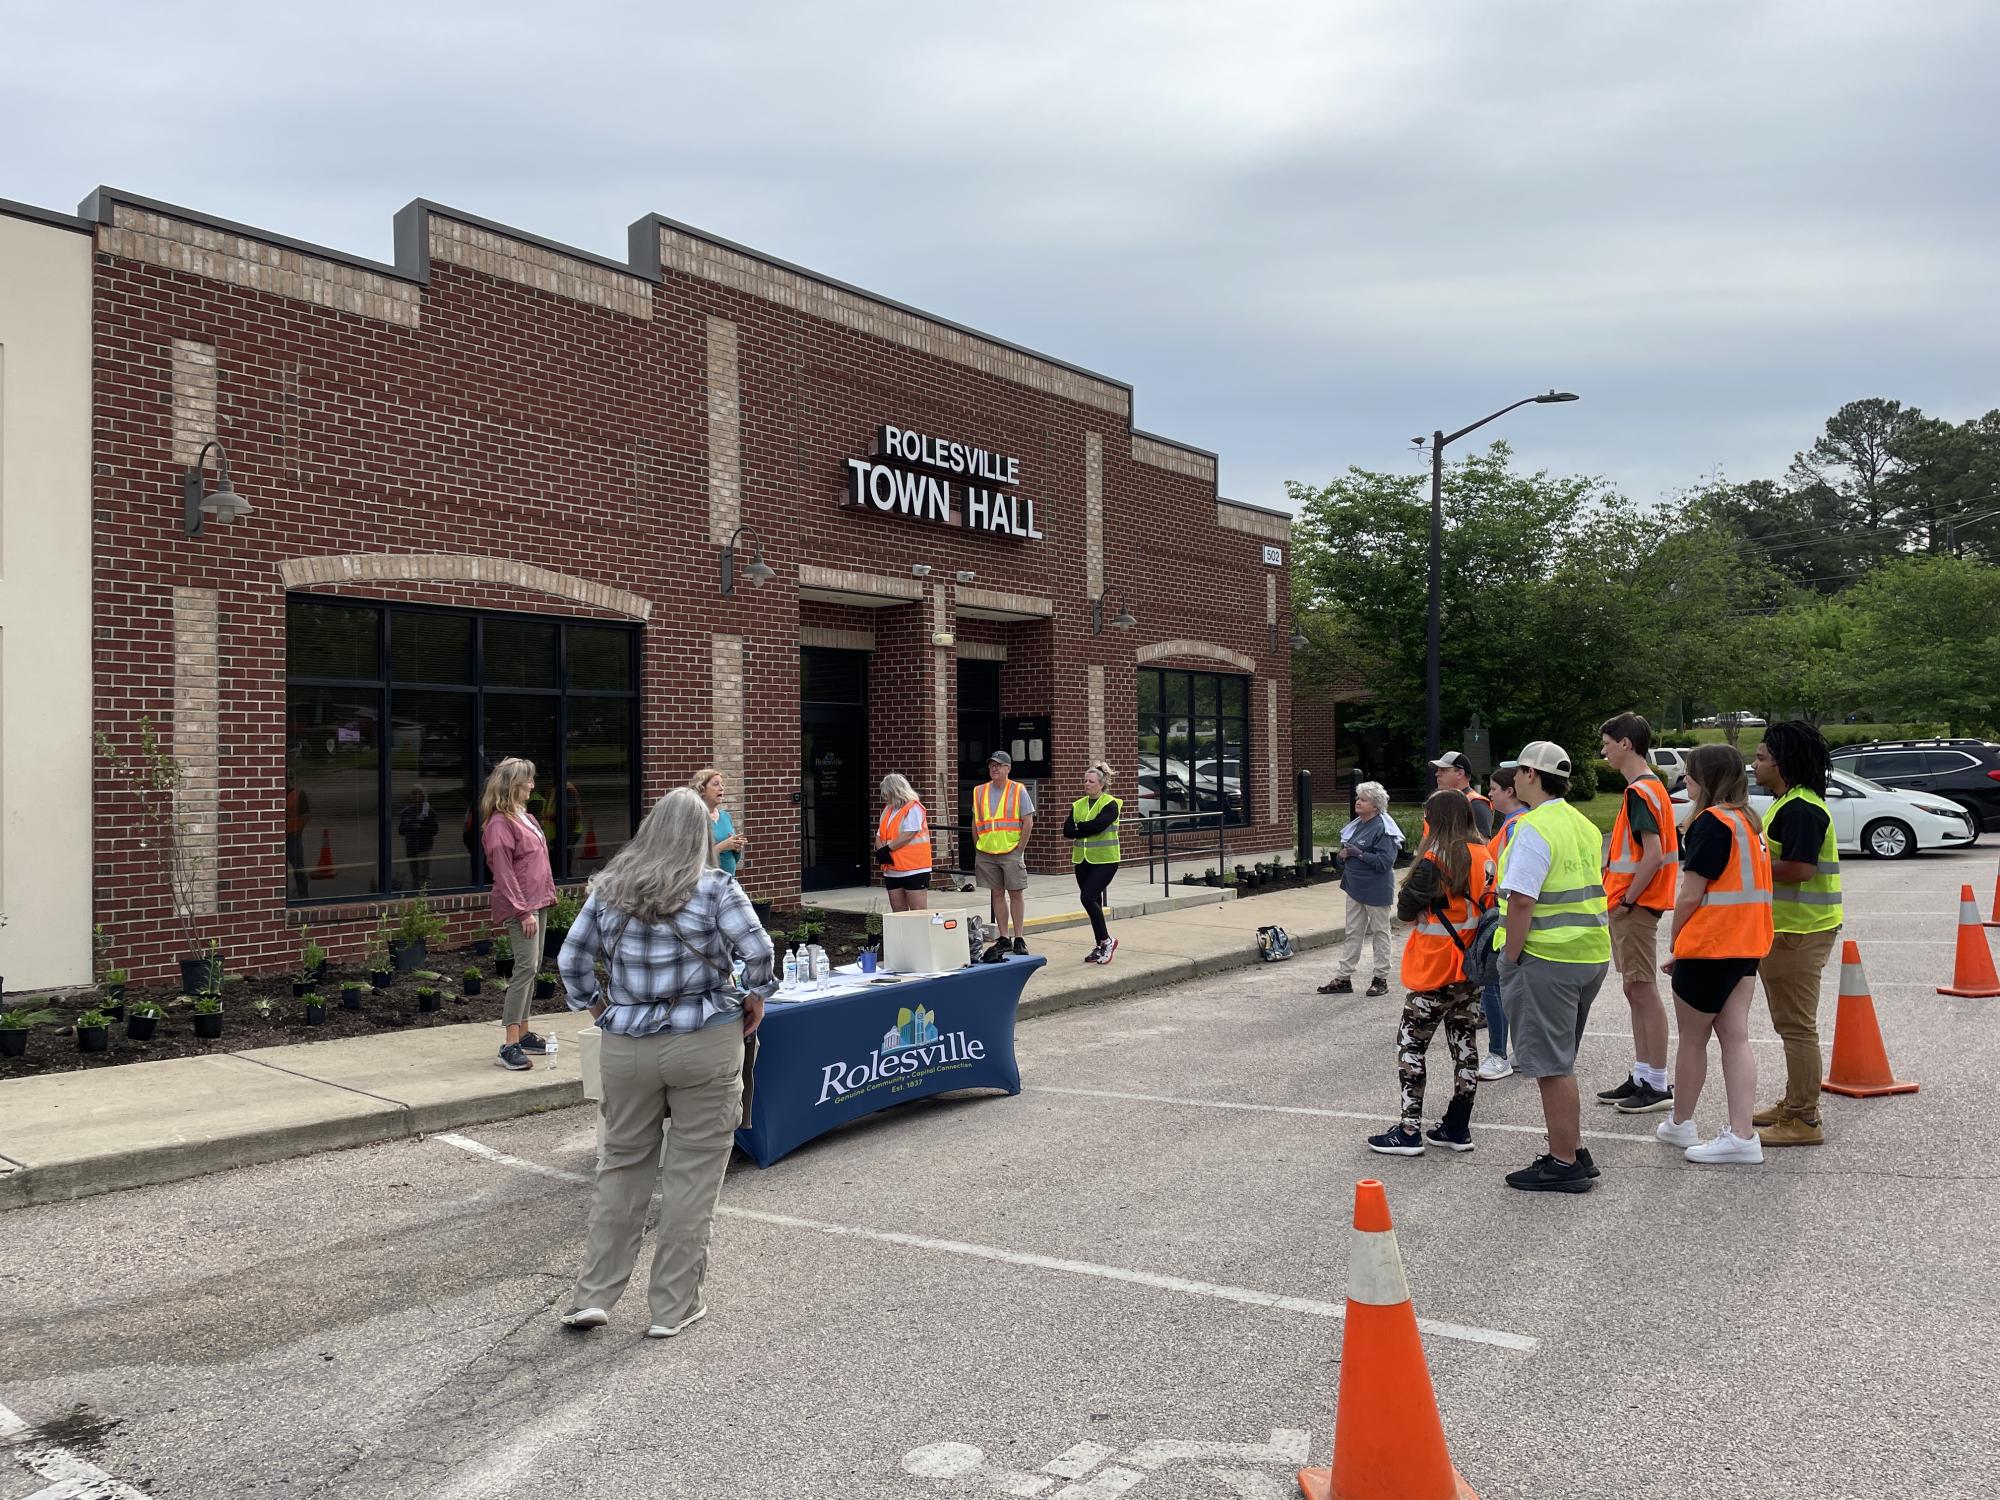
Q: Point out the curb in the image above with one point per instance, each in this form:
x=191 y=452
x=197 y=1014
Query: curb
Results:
x=179 y=1161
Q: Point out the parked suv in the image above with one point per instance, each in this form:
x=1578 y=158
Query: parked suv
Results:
x=1964 y=771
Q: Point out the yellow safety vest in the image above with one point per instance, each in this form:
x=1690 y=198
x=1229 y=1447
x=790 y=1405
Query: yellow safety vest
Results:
x=1096 y=848
x=999 y=834
x=1571 y=923
x=1814 y=906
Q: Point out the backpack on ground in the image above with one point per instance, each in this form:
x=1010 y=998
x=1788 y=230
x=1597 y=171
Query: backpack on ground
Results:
x=1274 y=944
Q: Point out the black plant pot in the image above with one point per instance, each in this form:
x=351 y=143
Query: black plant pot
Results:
x=474 y=986
x=315 y=1015
x=482 y=946
x=545 y=989
x=406 y=956
x=762 y=911
x=381 y=978
x=350 y=999
x=208 y=1026
x=1211 y=880
x=555 y=939
x=504 y=967
x=301 y=988
x=141 y=1028
x=317 y=972
x=114 y=994
x=114 y=1008
x=428 y=1002
x=199 y=976
x=14 y=1042
x=93 y=1038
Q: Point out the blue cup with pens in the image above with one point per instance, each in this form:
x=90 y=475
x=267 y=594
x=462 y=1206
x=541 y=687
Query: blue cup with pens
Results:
x=868 y=960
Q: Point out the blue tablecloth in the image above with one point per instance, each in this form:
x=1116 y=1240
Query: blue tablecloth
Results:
x=824 y=1062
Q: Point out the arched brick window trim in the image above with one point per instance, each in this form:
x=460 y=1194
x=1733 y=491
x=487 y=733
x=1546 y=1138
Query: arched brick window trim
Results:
x=1163 y=650
x=426 y=567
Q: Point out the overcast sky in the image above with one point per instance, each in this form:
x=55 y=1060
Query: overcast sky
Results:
x=1304 y=232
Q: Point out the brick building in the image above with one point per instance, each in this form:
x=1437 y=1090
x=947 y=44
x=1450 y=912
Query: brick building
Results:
x=493 y=487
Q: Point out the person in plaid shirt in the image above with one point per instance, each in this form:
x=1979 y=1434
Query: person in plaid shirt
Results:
x=664 y=923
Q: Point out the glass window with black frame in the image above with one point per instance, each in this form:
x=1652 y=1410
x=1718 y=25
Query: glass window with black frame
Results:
x=396 y=713
x=1193 y=743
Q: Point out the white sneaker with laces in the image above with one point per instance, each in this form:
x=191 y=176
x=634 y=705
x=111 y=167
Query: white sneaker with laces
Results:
x=1680 y=1133
x=668 y=1330
x=1495 y=1065
x=1728 y=1148
x=586 y=1317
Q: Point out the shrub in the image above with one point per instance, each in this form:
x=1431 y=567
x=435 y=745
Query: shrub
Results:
x=472 y=976
x=562 y=916
x=142 y=1008
x=207 y=1005
x=1608 y=780
x=1583 y=783
x=418 y=923
x=92 y=1018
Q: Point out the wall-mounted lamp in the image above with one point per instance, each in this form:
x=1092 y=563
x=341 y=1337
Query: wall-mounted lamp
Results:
x=758 y=572
x=965 y=575
x=1294 y=641
x=1121 y=621
x=920 y=570
x=223 y=502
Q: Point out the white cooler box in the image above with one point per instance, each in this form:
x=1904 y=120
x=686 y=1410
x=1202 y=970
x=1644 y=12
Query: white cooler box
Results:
x=924 y=942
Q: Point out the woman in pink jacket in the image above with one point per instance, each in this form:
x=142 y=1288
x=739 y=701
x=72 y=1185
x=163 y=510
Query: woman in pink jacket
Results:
x=517 y=862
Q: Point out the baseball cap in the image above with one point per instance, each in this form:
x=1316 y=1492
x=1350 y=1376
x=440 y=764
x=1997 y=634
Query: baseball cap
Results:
x=999 y=758
x=1452 y=760
x=1545 y=755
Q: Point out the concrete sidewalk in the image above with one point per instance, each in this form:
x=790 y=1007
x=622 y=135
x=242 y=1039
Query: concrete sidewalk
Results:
x=1051 y=902
x=70 y=1135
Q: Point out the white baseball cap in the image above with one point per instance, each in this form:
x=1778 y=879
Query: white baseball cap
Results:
x=1544 y=755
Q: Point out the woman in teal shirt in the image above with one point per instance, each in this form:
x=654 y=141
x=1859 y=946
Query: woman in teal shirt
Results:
x=708 y=785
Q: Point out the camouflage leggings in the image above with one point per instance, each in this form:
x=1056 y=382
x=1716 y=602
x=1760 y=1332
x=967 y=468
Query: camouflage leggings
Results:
x=1456 y=1008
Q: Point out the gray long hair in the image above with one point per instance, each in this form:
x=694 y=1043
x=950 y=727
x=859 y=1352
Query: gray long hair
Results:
x=897 y=791
x=652 y=876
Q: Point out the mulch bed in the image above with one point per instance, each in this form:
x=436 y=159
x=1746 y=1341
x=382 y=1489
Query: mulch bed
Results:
x=259 y=1010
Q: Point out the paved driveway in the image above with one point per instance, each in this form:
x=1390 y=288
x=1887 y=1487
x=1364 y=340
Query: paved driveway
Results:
x=1125 y=1281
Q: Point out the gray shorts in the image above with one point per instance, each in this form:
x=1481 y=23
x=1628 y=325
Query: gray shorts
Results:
x=1001 y=872
x=1547 y=1005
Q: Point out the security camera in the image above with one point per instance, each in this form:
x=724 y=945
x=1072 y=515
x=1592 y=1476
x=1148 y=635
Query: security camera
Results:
x=920 y=570
x=965 y=575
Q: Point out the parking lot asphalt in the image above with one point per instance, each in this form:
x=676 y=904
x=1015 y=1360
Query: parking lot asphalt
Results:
x=1124 y=1281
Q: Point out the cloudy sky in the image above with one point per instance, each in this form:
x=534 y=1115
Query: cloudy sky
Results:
x=1304 y=232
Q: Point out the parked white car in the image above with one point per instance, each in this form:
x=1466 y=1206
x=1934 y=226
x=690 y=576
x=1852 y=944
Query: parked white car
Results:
x=1871 y=819
x=1672 y=766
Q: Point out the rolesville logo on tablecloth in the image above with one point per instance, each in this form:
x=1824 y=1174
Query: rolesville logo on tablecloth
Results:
x=912 y=1045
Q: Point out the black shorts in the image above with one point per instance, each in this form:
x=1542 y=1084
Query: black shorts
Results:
x=1705 y=984
x=891 y=881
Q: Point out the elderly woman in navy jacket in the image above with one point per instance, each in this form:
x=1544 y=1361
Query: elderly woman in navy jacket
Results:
x=1368 y=849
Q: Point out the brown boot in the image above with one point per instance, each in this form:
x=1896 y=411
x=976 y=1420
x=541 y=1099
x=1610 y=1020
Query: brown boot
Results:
x=1793 y=1130
x=1769 y=1116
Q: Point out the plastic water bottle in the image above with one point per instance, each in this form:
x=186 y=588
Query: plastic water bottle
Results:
x=791 y=979
x=821 y=968
x=553 y=1044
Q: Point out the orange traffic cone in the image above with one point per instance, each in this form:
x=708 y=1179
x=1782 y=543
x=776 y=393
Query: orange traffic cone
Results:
x=1860 y=1066
x=1996 y=900
x=323 y=866
x=1388 y=1443
x=590 y=839
x=1972 y=975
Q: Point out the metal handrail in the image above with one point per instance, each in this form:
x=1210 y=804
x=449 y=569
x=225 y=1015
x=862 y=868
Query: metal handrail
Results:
x=1159 y=829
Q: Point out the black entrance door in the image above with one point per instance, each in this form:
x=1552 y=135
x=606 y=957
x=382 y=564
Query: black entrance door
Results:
x=978 y=728
x=835 y=810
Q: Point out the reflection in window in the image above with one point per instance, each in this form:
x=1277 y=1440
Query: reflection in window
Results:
x=384 y=772
x=1192 y=744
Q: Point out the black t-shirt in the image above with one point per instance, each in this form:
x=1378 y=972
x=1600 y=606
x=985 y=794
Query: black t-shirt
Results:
x=1705 y=847
x=1799 y=830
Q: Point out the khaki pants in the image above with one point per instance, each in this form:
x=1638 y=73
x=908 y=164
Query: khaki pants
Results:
x=1364 y=923
x=700 y=1075
x=527 y=964
x=1791 y=974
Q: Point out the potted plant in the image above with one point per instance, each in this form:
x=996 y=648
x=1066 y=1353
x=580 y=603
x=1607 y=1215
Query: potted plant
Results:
x=473 y=981
x=381 y=974
x=482 y=946
x=315 y=1010
x=14 y=1026
x=545 y=985
x=350 y=995
x=110 y=980
x=93 y=1032
x=1211 y=878
x=427 y=998
x=503 y=956
x=208 y=1017
x=409 y=945
x=142 y=1019
x=312 y=958
x=167 y=824
x=1189 y=878
x=562 y=916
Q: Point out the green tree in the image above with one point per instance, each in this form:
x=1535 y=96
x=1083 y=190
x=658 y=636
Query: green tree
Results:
x=1925 y=641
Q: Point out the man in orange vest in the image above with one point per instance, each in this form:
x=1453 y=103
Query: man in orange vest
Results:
x=1003 y=819
x=1641 y=870
x=1454 y=774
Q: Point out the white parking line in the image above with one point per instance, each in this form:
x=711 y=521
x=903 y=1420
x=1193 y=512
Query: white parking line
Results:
x=1248 y=1296
x=1300 y=1109
x=69 y=1477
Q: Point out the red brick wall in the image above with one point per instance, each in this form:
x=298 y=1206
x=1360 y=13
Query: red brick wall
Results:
x=519 y=424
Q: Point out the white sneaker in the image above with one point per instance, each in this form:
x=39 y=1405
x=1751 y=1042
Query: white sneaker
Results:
x=1728 y=1148
x=1680 y=1133
x=586 y=1317
x=667 y=1331
x=1495 y=1065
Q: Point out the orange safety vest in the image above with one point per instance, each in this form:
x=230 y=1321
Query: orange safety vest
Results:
x=1001 y=833
x=1430 y=958
x=1626 y=851
x=913 y=858
x=1734 y=918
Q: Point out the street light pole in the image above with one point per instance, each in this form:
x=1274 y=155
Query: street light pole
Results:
x=1433 y=668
